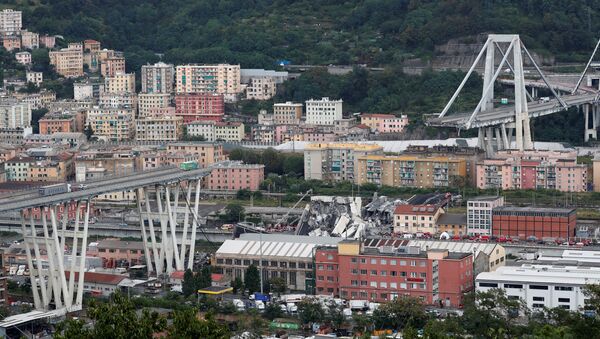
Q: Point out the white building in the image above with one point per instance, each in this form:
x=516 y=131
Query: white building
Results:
x=261 y=88
x=158 y=78
x=222 y=79
x=246 y=75
x=479 y=214
x=541 y=286
x=24 y=58
x=14 y=114
x=217 y=131
x=87 y=90
x=10 y=21
x=35 y=77
x=323 y=112
x=205 y=129
x=118 y=100
x=148 y=102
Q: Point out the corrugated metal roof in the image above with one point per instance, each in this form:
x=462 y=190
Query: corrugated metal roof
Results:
x=455 y=246
x=275 y=245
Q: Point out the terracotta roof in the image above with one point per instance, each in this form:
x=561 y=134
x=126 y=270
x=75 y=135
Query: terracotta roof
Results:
x=378 y=115
x=363 y=126
x=177 y=275
x=416 y=209
x=100 y=278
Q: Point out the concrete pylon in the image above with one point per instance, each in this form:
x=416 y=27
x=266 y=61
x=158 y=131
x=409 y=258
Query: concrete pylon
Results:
x=590 y=114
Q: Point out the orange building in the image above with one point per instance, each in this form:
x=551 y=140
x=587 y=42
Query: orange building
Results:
x=53 y=124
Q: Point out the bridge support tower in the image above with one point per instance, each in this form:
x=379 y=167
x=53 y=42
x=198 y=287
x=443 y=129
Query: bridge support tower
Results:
x=591 y=118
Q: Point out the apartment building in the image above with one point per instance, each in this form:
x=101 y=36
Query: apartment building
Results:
x=118 y=100
x=94 y=164
x=234 y=176
x=533 y=170
x=323 y=112
x=24 y=58
x=112 y=66
x=114 y=252
x=11 y=42
x=67 y=62
x=4 y=302
x=37 y=100
x=58 y=168
x=35 y=77
x=525 y=222
x=335 y=161
x=542 y=286
x=381 y=274
x=115 y=124
x=384 y=123
x=47 y=41
x=287 y=113
x=200 y=106
x=409 y=171
x=17 y=168
x=205 y=153
x=91 y=46
x=150 y=102
x=261 y=88
x=479 y=214
x=217 y=131
x=159 y=128
x=289 y=257
x=89 y=89
x=14 y=113
x=119 y=83
x=11 y=21
x=57 y=122
x=30 y=40
x=416 y=218
x=221 y=79
x=158 y=78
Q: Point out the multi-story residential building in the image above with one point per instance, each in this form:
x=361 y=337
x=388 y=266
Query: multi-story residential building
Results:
x=385 y=123
x=409 y=171
x=524 y=222
x=221 y=79
x=115 y=124
x=24 y=58
x=205 y=153
x=533 y=170
x=205 y=129
x=118 y=100
x=323 y=112
x=246 y=75
x=479 y=214
x=380 y=274
x=47 y=41
x=67 y=62
x=263 y=133
x=11 y=42
x=89 y=89
x=287 y=113
x=17 y=168
x=91 y=46
x=37 y=100
x=416 y=218
x=3 y=283
x=30 y=40
x=158 y=78
x=58 y=168
x=14 y=136
x=11 y=21
x=112 y=66
x=216 y=131
x=149 y=102
x=234 y=176
x=95 y=164
x=57 y=122
x=35 y=77
x=57 y=138
x=293 y=263
x=261 y=88
x=542 y=286
x=452 y=223
x=14 y=113
x=200 y=106
x=335 y=161
x=159 y=128
x=114 y=252
x=119 y=83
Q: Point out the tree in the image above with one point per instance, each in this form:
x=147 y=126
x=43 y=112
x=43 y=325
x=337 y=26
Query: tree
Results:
x=335 y=315
x=234 y=212
x=272 y=311
x=252 y=279
x=310 y=311
x=88 y=131
x=187 y=325
x=278 y=285
x=116 y=318
x=188 y=285
x=36 y=115
x=204 y=279
x=238 y=285
x=402 y=312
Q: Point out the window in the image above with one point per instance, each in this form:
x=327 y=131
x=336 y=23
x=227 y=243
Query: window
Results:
x=537 y=305
x=566 y=307
x=538 y=287
x=483 y=284
x=423 y=275
x=403 y=285
x=383 y=273
x=564 y=300
x=538 y=298
x=422 y=263
x=354 y=260
x=320 y=278
x=413 y=274
x=373 y=284
x=363 y=283
x=363 y=260
x=393 y=285
x=329 y=278
x=392 y=262
x=373 y=261
x=354 y=282
x=329 y=257
x=513 y=286
x=513 y=297
x=563 y=288
x=373 y=272
x=413 y=263
x=402 y=262
x=354 y=271
x=393 y=273
x=403 y=274
x=383 y=284
x=363 y=272
x=383 y=262
x=320 y=267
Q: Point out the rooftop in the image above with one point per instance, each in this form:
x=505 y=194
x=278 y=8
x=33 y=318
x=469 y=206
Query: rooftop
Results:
x=336 y=145
x=416 y=209
x=452 y=219
x=530 y=209
x=549 y=274
x=275 y=245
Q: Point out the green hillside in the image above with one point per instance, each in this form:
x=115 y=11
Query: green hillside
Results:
x=256 y=33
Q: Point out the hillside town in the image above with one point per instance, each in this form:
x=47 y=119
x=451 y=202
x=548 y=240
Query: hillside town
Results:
x=298 y=202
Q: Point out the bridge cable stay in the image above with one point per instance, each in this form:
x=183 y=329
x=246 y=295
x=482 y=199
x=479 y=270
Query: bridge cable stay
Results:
x=562 y=103
x=196 y=221
x=511 y=67
x=586 y=68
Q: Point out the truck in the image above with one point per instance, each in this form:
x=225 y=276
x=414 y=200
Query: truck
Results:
x=188 y=165
x=259 y=296
x=54 y=189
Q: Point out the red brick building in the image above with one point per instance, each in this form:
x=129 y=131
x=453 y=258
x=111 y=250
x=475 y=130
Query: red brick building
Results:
x=200 y=106
x=524 y=222
x=378 y=271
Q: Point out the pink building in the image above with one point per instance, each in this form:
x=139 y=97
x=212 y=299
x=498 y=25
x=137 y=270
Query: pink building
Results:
x=318 y=136
x=200 y=106
x=384 y=123
x=117 y=253
x=533 y=170
x=47 y=41
x=235 y=176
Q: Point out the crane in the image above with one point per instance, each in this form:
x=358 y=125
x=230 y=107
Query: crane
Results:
x=293 y=207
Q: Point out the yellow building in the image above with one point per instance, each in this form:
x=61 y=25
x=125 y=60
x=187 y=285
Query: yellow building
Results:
x=159 y=128
x=115 y=124
x=121 y=82
x=205 y=153
x=335 y=161
x=229 y=131
x=67 y=62
x=410 y=171
x=152 y=101
x=112 y=66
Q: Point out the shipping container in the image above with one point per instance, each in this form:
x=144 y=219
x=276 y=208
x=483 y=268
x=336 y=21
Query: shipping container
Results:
x=189 y=165
x=54 y=189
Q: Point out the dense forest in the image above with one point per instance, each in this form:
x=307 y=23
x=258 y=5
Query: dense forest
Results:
x=256 y=33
